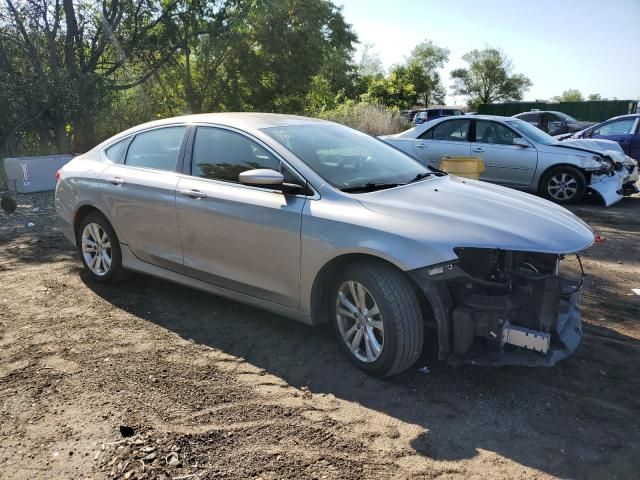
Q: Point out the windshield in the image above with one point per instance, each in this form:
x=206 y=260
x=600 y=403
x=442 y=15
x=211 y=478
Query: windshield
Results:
x=532 y=133
x=566 y=118
x=347 y=158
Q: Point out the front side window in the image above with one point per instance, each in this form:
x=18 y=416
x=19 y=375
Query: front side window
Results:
x=452 y=130
x=156 y=149
x=530 y=132
x=346 y=158
x=495 y=133
x=220 y=154
x=566 y=118
x=618 y=127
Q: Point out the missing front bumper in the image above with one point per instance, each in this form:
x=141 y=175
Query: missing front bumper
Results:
x=563 y=342
x=496 y=307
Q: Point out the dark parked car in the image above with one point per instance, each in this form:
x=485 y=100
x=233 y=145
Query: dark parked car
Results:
x=624 y=129
x=554 y=123
x=423 y=116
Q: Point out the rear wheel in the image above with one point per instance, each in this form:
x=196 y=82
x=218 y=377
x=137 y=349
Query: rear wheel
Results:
x=564 y=185
x=100 y=249
x=377 y=318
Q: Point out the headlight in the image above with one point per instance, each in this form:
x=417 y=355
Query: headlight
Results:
x=594 y=163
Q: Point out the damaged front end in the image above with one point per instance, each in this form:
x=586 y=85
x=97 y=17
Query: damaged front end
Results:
x=501 y=307
x=614 y=176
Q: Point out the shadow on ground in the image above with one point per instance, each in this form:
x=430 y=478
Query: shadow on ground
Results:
x=548 y=419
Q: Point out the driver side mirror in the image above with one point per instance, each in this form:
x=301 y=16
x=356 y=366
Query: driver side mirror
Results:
x=261 y=177
x=265 y=177
x=521 y=142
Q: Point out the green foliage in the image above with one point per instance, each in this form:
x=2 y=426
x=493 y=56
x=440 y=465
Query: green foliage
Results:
x=394 y=91
x=595 y=97
x=488 y=78
x=372 y=119
x=571 y=95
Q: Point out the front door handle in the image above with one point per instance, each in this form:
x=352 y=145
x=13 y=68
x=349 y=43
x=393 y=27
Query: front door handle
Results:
x=421 y=145
x=478 y=149
x=115 y=180
x=193 y=193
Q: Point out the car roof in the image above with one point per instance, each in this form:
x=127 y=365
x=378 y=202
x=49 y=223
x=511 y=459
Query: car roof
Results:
x=239 y=119
x=479 y=116
x=242 y=120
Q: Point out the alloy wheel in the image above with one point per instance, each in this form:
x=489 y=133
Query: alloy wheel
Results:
x=359 y=321
x=562 y=186
x=96 y=249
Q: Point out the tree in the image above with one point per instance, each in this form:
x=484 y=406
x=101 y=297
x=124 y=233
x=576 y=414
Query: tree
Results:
x=571 y=95
x=488 y=78
x=595 y=97
x=81 y=52
x=422 y=66
x=370 y=64
x=393 y=91
x=268 y=55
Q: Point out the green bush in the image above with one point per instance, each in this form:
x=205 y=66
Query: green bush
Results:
x=371 y=119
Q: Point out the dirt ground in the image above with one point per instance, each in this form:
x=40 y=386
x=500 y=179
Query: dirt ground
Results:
x=209 y=388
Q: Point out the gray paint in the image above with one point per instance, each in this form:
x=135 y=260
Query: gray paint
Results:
x=265 y=248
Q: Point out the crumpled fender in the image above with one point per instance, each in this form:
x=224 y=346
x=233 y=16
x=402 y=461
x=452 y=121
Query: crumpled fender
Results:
x=609 y=188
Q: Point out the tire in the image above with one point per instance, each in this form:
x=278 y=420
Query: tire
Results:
x=100 y=272
x=563 y=185
x=401 y=337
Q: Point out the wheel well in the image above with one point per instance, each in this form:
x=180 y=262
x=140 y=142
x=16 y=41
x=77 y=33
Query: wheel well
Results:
x=80 y=214
x=586 y=174
x=325 y=277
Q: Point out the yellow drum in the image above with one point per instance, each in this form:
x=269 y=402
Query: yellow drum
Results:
x=467 y=167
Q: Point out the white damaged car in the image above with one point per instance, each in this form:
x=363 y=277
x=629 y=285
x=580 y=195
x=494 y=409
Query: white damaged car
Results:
x=518 y=155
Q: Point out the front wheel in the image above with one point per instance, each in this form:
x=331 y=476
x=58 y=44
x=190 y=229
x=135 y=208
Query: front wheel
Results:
x=564 y=185
x=377 y=318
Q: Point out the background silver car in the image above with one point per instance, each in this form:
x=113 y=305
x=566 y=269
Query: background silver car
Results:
x=322 y=223
x=518 y=155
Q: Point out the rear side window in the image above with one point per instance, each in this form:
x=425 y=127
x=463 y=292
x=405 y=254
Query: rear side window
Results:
x=157 y=148
x=116 y=152
x=452 y=130
x=529 y=117
x=221 y=154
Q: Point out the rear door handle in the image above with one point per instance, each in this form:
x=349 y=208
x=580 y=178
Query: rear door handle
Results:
x=421 y=145
x=478 y=149
x=115 y=180
x=193 y=193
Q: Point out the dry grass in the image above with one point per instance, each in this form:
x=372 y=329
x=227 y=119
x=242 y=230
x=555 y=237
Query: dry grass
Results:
x=371 y=119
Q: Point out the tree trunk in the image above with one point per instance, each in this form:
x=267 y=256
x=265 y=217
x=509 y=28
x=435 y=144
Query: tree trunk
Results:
x=84 y=132
x=59 y=133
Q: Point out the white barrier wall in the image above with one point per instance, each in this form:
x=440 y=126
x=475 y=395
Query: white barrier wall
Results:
x=33 y=174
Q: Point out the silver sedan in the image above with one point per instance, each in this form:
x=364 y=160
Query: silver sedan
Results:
x=321 y=223
x=519 y=155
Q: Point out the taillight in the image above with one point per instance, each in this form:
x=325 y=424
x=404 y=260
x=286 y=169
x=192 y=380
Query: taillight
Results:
x=58 y=176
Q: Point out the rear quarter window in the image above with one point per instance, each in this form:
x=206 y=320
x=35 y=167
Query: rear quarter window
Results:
x=117 y=151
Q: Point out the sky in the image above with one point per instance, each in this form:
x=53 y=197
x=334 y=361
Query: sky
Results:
x=589 y=45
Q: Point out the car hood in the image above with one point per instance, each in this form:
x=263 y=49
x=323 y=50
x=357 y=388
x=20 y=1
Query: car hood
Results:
x=448 y=212
x=598 y=145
